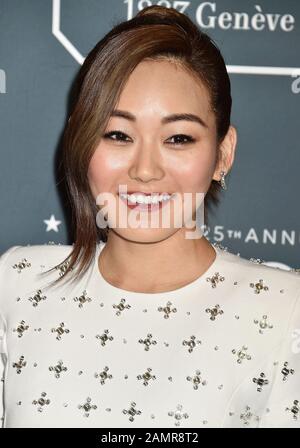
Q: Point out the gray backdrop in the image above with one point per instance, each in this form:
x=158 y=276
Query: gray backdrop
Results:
x=43 y=43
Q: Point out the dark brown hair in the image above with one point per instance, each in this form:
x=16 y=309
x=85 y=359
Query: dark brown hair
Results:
x=156 y=32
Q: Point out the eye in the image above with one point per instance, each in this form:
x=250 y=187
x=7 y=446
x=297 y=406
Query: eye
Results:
x=180 y=137
x=120 y=136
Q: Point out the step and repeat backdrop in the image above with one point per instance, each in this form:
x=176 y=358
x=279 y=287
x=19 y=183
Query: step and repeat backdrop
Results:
x=42 y=46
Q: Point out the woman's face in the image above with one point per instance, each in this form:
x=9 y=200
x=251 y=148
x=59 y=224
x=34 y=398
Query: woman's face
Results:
x=143 y=154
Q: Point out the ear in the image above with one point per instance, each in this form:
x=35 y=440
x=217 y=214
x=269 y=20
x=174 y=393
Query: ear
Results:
x=227 y=149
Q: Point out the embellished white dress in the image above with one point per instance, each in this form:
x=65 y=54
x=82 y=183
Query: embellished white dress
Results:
x=222 y=351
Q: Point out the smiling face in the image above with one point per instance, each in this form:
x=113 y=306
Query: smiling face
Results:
x=149 y=153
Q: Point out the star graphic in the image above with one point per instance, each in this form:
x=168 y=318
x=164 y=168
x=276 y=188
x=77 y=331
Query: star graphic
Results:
x=52 y=224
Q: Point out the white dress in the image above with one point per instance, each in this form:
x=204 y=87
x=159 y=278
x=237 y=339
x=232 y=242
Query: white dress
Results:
x=222 y=351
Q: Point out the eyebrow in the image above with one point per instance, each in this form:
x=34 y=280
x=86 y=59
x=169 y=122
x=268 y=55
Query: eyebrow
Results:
x=165 y=120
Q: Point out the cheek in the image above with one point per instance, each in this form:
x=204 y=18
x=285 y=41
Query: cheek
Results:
x=195 y=171
x=103 y=171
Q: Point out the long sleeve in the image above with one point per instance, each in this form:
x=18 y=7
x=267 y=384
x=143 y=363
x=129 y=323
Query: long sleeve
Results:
x=283 y=409
x=3 y=352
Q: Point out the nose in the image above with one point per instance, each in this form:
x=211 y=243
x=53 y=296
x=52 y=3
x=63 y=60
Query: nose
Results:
x=147 y=164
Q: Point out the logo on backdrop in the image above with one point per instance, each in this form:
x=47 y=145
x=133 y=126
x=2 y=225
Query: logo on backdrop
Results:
x=207 y=16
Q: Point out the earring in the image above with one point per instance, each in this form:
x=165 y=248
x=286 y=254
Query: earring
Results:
x=222 y=181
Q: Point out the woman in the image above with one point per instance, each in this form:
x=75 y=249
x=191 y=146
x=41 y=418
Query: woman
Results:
x=156 y=328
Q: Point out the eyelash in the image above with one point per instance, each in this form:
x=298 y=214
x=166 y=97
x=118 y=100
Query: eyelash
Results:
x=188 y=137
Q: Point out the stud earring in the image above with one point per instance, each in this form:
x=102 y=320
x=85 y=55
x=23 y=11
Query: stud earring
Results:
x=222 y=181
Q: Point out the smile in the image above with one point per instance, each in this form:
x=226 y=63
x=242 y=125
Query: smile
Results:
x=145 y=202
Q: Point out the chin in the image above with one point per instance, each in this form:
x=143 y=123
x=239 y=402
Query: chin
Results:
x=145 y=235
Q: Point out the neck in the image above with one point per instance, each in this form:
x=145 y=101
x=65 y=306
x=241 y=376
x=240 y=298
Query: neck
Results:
x=154 y=267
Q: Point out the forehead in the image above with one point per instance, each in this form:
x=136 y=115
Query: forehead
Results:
x=164 y=87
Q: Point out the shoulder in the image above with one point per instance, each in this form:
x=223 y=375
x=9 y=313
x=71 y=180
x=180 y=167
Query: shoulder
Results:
x=258 y=286
x=36 y=254
x=244 y=269
x=20 y=265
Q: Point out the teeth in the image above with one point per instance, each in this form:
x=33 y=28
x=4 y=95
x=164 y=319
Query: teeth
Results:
x=142 y=199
